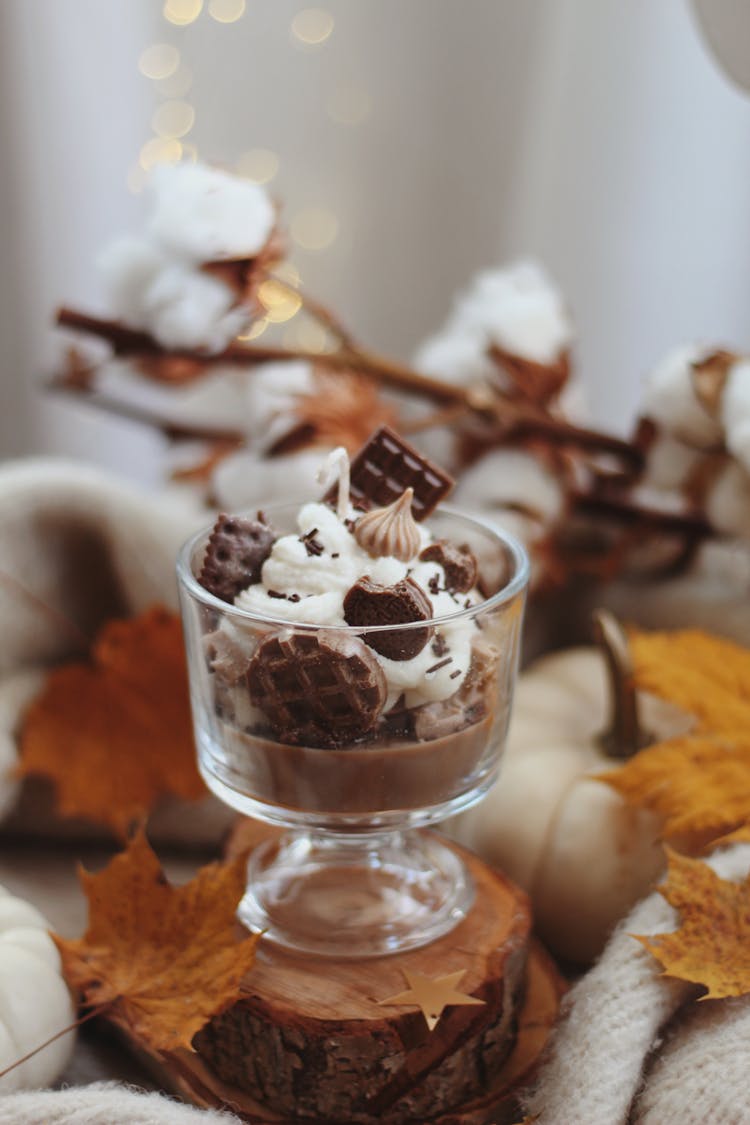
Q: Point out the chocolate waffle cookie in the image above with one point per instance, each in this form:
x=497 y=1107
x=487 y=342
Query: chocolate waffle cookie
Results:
x=317 y=689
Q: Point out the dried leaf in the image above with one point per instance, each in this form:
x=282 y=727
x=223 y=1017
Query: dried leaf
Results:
x=707 y=676
x=167 y=959
x=699 y=782
x=115 y=734
x=699 y=786
x=712 y=945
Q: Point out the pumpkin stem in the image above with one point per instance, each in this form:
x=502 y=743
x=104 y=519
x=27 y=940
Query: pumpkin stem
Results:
x=624 y=736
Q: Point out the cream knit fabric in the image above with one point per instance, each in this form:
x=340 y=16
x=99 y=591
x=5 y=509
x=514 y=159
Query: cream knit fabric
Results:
x=103 y=1104
x=77 y=548
x=608 y=1045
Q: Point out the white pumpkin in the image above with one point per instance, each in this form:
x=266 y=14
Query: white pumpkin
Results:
x=34 y=999
x=583 y=855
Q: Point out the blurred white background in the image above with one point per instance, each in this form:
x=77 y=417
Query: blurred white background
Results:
x=410 y=144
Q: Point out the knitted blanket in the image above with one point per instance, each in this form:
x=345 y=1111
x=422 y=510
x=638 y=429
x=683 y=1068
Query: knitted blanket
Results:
x=635 y=1048
x=77 y=548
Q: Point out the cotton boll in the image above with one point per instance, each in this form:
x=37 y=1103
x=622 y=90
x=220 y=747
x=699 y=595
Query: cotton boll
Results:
x=271 y=395
x=507 y=477
x=457 y=357
x=128 y=266
x=245 y=479
x=215 y=401
x=186 y=309
x=670 y=398
x=206 y=215
x=735 y=411
x=728 y=502
x=518 y=309
x=669 y=463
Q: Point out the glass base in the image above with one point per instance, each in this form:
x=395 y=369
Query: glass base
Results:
x=353 y=896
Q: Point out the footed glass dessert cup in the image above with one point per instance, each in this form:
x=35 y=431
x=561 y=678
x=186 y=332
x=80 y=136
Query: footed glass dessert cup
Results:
x=353 y=739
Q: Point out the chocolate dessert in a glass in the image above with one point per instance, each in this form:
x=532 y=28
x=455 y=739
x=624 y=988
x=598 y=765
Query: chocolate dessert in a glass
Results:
x=352 y=665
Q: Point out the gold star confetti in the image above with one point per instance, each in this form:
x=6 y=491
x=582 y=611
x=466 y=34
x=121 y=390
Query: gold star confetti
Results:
x=432 y=995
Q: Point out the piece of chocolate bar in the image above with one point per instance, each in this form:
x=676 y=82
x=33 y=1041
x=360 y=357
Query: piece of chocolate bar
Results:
x=385 y=467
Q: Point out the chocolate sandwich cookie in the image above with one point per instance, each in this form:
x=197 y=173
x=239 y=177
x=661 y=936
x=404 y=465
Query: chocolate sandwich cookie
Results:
x=236 y=551
x=317 y=689
x=385 y=467
x=369 y=603
x=458 y=563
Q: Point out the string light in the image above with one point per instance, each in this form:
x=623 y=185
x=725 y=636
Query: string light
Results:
x=314 y=228
x=280 y=303
x=258 y=164
x=349 y=105
x=159 y=150
x=256 y=329
x=173 y=119
x=312 y=26
x=182 y=12
x=159 y=61
x=226 y=11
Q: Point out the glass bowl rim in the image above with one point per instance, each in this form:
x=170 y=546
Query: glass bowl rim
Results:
x=504 y=595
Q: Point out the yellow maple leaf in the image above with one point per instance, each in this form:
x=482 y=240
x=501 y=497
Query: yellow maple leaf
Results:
x=163 y=959
x=699 y=782
x=712 y=945
x=706 y=676
x=115 y=734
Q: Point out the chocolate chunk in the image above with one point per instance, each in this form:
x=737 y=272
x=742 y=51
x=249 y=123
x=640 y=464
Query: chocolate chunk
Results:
x=317 y=689
x=236 y=551
x=385 y=467
x=368 y=603
x=458 y=563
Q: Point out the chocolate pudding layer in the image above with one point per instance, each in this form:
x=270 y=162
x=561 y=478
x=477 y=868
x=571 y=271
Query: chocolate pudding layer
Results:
x=377 y=777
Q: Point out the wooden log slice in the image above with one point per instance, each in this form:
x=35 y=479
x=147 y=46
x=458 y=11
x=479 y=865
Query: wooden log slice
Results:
x=311 y=1039
x=187 y=1074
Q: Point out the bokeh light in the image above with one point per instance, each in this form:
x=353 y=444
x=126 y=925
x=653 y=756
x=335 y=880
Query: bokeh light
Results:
x=159 y=61
x=280 y=302
x=182 y=12
x=226 y=11
x=258 y=164
x=256 y=329
x=312 y=26
x=314 y=228
x=159 y=150
x=173 y=119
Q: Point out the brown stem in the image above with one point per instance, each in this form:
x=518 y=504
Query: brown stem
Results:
x=625 y=511
x=513 y=417
x=624 y=736
x=58 y=1035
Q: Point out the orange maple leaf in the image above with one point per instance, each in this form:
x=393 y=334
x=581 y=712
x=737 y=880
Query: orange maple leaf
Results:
x=712 y=945
x=164 y=959
x=699 y=782
x=115 y=734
